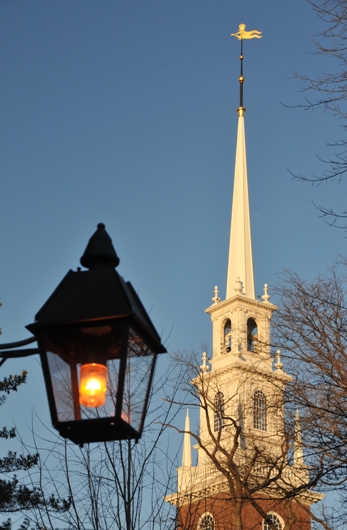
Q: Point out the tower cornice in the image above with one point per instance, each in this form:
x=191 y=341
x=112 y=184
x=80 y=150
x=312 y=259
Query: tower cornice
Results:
x=246 y=366
x=240 y=301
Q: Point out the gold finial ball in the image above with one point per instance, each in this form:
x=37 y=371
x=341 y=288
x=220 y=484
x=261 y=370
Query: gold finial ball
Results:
x=241 y=79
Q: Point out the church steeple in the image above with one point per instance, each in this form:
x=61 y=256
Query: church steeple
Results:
x=242 y=441
x=240 y=264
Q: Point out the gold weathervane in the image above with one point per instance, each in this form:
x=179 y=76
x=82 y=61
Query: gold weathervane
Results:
x=243 y=34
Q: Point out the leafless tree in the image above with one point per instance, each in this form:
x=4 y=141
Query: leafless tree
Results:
x=311 y=328
x=17 y=493
x=248 y=469
x=328 y=92
x=113 y=485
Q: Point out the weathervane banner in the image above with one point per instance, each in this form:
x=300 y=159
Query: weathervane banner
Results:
x=243 y=34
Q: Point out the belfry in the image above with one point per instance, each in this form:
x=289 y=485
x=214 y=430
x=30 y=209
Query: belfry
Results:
x=249 y=473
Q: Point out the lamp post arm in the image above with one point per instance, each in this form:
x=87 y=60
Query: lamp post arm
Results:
x=11 y=351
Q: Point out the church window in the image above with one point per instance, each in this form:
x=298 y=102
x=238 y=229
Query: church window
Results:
x=206 y=522
x=218 y=411
x=227 y=335
x=275 y=520
x=259 y=411
x=252 y=335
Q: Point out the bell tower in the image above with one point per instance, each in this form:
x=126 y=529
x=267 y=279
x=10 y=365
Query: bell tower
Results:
x=247 y=471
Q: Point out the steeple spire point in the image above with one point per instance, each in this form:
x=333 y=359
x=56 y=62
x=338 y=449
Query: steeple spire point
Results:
x=240 y=265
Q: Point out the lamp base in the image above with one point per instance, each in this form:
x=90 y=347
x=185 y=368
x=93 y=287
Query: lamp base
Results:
x=97 y=430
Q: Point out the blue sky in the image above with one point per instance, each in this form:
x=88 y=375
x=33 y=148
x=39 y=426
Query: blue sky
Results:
x=124 y=112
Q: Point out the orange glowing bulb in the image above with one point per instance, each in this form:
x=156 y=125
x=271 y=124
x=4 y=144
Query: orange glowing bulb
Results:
x=93 y=385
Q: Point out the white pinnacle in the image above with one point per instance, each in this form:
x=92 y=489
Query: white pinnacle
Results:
x=187 y=448
x=240 y=262
x=298 y=450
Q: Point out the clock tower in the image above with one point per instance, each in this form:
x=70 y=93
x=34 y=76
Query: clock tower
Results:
x=250 y=472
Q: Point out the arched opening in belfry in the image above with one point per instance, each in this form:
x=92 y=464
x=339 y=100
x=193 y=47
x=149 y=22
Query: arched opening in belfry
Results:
x=227 y=335
x=252 y=335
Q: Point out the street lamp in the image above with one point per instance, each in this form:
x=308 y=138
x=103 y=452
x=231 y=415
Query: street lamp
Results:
x=98 y=350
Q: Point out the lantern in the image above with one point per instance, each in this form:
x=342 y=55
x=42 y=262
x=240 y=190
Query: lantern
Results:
x=98 y=350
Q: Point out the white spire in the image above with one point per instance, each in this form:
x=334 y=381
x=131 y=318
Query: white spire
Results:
x=240 y=265
x=187 y=448
x=298 y=450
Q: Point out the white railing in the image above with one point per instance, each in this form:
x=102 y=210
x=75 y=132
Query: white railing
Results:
x=199 y=477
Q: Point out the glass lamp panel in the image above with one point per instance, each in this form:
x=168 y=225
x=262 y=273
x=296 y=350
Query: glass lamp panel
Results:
x=140 y=361
x=85 y=343
x=62 y=384
x=70 y=348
